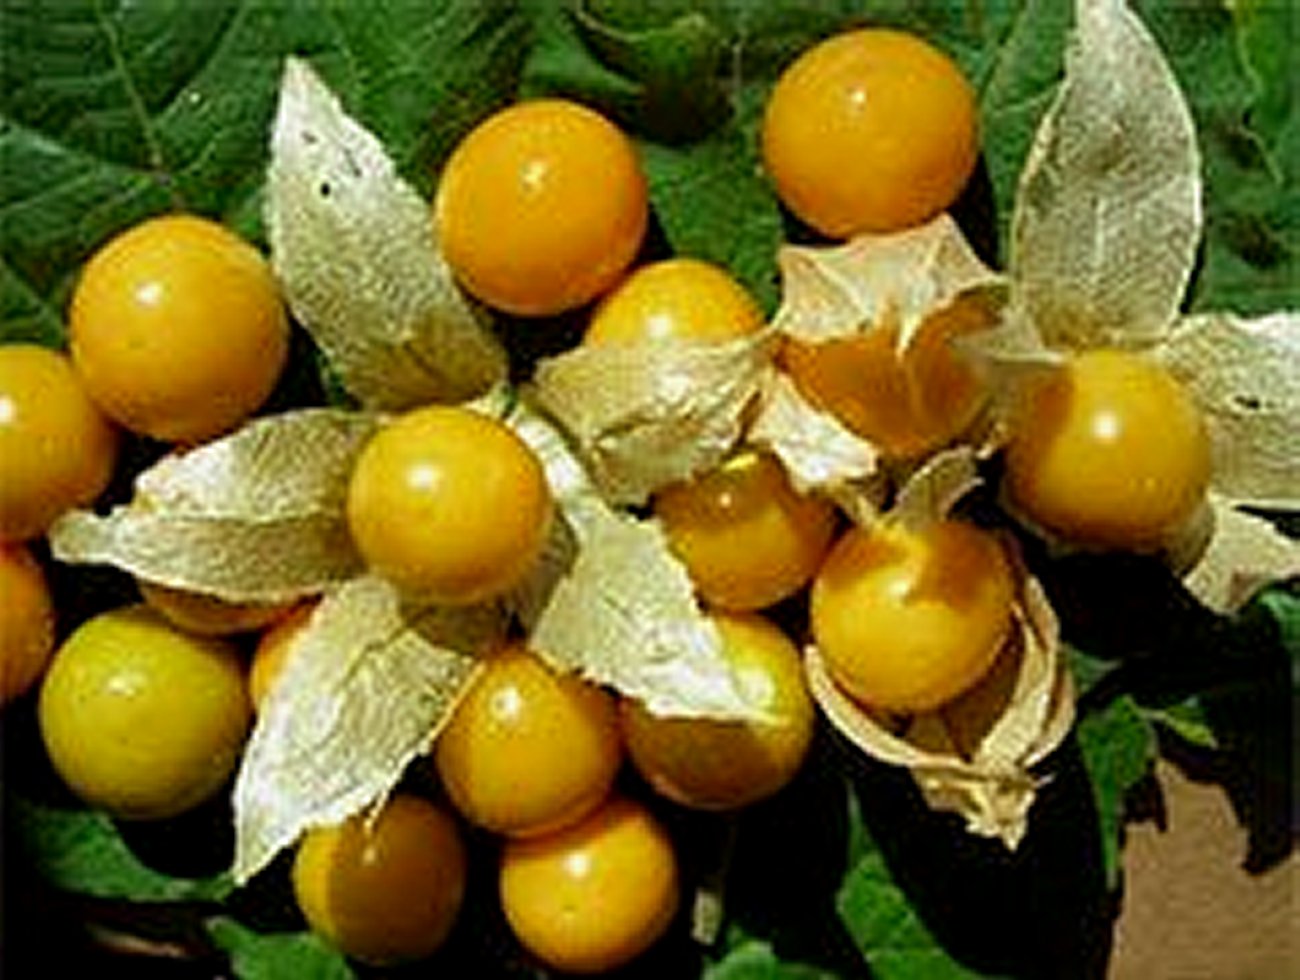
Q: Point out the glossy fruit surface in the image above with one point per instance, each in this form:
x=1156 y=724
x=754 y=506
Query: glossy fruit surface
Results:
x=871 y=130
x=140 y=718
x=208 y=615
x=26 y=621
x=908 y=621
x=714 y=765
x=1109 y=451
x=905 y=404
x=57 y=449
x=449 y=504
x=272 y=648
x=385 y=892
x=178 y=329
x=528 y=749
x=595 y=895
x=746 y=536
x=680 y=298
x=541 y=207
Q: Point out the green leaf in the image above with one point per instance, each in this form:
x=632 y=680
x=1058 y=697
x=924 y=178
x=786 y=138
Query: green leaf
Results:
x=258 y=956
x=81 y=851
x=1118 y=750
x=1284 y=607
x=1186 y=719
x=754 y=959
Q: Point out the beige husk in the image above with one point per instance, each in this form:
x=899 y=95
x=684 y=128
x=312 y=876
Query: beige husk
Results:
x=257 y=516
x=1240 y=555
x=355 y=248
x=364 y=689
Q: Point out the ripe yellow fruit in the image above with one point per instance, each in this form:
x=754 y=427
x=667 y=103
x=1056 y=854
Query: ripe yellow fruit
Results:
x=26 y=621
x=715 y=765
x=746 y=536
x=272 y=648
x=541 y=207
x=387 y=892
x=907 y=621
x=679 y=298
x=1110 y=451
x=140 y=718
x=528 y=749
x=207 y=615
x=178 y=330
x=449 y=505
x=595 y=895
x=57 y=449
x=871 y=130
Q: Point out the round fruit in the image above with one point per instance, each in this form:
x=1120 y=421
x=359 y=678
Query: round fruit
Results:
x=541 y=208
x=384 y=891
x=449 y=505
x=1109 y=451
x=906 y=404
x=595 y=895
x=715 y=765
x=272 y=648
x=675 y=299
x=56 y=449
x=907 y=621
x=528 y=749
x=140 y=718
x=207 y=615
x=746 y=536
x=178 y=330
x=870 y=131
x=26 y=621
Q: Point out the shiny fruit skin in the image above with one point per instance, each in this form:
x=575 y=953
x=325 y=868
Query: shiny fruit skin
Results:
x=746 y=536
x=870 y=131
x=57 y=450
x=715 y=765
x=541 y=207
x=178 y=330
x=680 y=299
x=1109 y=451
x=26 y=621
x=207 y=615
x=272 y=648
x=595 y=895
x=449 y=505
x=528 y=749
x=905 y=404
x=388 y=892
x=907 y=621
x=140 y=718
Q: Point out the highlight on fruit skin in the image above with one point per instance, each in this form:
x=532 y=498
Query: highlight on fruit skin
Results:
x=178 y=329
x=716 y=765
x=541 y=207
x=387 y=889
x=906 y=621
x=595 y=895
x=449 y=505
x=57 y=449
x=1108 y=451
x=26 y=621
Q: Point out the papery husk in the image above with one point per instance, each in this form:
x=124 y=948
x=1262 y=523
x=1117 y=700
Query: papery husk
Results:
x=899 y=278
x=1108 y=209
x=1245 y=376
x=365 y=687
x=974 y=756
x=611 y=602
x=1236 y=555
x=648 y=414
x=934 y=488
x=257 y=516
x=357 y=253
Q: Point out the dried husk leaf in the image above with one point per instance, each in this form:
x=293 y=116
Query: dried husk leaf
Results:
x=1245 y=375
x=364 y=689
x=257 y=516
x=935 y=487
x=973 y=756
x=1243 y=554
x=648 y=414
x=1108 y=210
x=357 y=253
x=900 y=278
x=611 y=602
